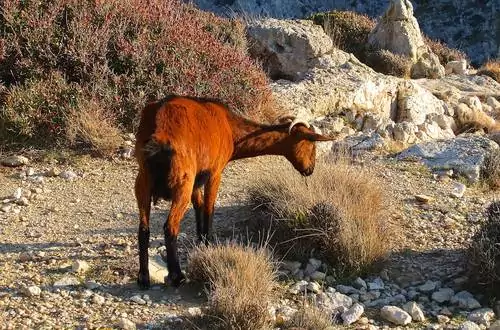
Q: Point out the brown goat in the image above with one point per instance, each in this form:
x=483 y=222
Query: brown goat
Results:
x=183 y=145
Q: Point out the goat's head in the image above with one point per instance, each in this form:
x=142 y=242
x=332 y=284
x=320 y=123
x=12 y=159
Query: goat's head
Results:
x=301 y=147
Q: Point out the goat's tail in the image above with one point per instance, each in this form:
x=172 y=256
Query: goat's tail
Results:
x=159 y=162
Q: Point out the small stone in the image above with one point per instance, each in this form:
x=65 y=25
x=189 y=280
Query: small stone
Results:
x=291 y=266
x=415 y=311
x=468 y=325
x=346 y=289
x=67 y=281
x=80 y=266
x=68 y=175
x=395 y=315
x=359 y=283
x=97 y=299
x=126 y=324
x=318 y=276
x=427 y=286
x=442 y=295
x=6 y=208
x=377 y=284
x=30 y=171
x=353 y=314
x=17 y=194
x=458 y=190
x=23 y=201
x=31 y=291
x=481 y=316
x=313 y=287
x=443 y=319
x=424 y=199
x=465 y=300
x=298 y=287
x=91 y=285
x=53 y=172
x=194 y=311
x=15 y=161
x=138 y=300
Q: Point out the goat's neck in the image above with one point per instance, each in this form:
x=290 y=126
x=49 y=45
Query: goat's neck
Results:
x=253 y=139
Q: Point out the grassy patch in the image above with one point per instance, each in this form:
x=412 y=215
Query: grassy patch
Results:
x=491 y=170
x=340 y=211
x=310 y=317
x=491 y=69
x=241 y=282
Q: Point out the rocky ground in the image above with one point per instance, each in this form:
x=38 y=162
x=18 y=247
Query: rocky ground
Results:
x=68 y=248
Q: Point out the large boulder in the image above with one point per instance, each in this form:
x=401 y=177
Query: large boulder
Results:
x=287 y=48
x=398 y=30
x=427 y=66
x=465 y=155
x=415 y=103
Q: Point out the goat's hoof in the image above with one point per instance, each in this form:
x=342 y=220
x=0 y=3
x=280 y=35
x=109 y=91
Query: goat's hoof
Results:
x=143 y=281
x=175 y=280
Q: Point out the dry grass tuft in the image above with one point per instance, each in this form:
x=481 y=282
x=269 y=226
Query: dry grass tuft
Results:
x=443 y=52
x=491 y=69
x=310 y=317
x=385 y=62
x=93 y=127
x=241 y=281
x=340 y=211
x=484 y=254
x=491 y=170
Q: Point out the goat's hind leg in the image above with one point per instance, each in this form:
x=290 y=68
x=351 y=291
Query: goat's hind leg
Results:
x=197 y=200
x=143 y=196
x=180 y=203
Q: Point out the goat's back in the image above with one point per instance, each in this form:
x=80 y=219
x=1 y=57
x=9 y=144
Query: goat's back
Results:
x=197 y=130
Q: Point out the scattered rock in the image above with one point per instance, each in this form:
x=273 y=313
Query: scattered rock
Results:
x=352 y=314
x=298 y=287
x=67 y=281
x=359 y=283
x=443 y=319
x=481 y=316
x=465 y=300
x=377 y=284
x=31 y=291
x=424 y=199
x=138 y=300
x=194 y=311
x=313 y=287
x=318 y=276
x=456 y=67
x=443 y=295
x=415 y=311
x=395 y=315
x=15 y=161
x=468 y=325
x=80 y=266
x=97 y=299
x=157 y=269
x=126 y=324
x=68 y=175
x=458 y=190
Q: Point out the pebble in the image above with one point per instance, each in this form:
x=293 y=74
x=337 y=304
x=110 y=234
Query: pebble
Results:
x=313 y=287
x=194 y=311
x=424 y=199
x=481 y=316
x=15 y=161
x=415 y=311
x=97 y=299
x=80 y=266
x=468 y=325
x=442 y=319
x=353 y=314
x=66 y=281
x=126 y=324
x=443 y=295
x=138 y=300
x=68 y=175
x=427 y=286
x=458 y=190
x=395 y=315
x=377 y=284
x=31 y=291
x=318 y=276
x=359 y=283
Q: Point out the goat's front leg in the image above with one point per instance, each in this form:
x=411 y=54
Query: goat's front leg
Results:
x=180 y=202
x=143 y=196
x=211 y=189
x=197 y=200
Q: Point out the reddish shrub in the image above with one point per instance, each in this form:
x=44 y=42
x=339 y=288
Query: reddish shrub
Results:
x=121 y=53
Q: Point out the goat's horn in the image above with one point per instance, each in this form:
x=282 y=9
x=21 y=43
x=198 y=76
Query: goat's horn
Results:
x=296 y=122
x=284 y=119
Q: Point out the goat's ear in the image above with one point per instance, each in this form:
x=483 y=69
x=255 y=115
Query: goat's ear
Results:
x=308 y=134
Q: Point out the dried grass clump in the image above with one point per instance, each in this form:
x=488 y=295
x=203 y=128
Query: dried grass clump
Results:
x=491 y=69
x=91 y=127
x=348 y=30
x=443 y=52
x=484 y=254
x=339 y=211
x=310 y=317
x=386 y=62
x=491 y=169
x=241 y=283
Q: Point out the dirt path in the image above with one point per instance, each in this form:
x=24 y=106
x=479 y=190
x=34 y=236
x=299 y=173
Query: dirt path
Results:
x=94 y=218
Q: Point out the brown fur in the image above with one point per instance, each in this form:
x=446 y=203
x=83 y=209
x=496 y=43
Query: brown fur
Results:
x=183 y=145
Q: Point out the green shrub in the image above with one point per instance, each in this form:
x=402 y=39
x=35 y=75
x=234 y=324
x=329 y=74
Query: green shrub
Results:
x=484 y=254
x=385 y=62
x=118 y=54
x=339 y=211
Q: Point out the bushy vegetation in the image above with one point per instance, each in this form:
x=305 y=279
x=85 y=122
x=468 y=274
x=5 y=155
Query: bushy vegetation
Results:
x=491 y=169
x=241 y=282
x=491 y=69
x=310 y=317
x=349 y=32
x=64 y=63
x=339 y=212
x=484 y=254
